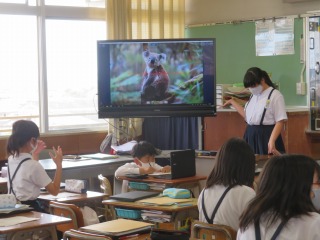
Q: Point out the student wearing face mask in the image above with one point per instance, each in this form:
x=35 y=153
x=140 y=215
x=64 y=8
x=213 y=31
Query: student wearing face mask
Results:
x=144 y=161
x=264 y=113
x=25 y=174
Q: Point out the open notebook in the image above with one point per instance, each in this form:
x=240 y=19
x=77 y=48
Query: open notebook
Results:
x=118 y=227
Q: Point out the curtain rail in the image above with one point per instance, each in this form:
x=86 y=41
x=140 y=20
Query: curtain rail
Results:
x=244 y=21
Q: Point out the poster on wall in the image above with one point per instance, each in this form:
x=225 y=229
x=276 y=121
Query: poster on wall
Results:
x=274 y=37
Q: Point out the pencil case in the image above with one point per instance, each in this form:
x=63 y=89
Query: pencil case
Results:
x=178 y=193
x=76 y=186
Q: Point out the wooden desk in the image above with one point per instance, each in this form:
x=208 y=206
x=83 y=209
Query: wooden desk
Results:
x=73 y=197
x=44 y=225
x=92 y=199
x=85 y=169
x=178 y=213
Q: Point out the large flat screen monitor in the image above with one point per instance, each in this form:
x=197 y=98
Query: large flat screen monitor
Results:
x=145 y=78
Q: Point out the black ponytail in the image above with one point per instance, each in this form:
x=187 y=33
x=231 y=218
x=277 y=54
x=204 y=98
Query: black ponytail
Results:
x=22 y=132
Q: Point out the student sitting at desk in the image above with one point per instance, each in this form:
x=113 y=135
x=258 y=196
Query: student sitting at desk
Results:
x=282 y=208
x=26 y=175
x=229 y=185
x=144 y=161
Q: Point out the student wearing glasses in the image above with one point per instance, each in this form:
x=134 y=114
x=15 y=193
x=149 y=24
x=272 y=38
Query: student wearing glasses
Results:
x=229 y=186
x=282 y=208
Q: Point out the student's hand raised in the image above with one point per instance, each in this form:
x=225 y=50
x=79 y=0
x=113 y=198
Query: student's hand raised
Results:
x=40 y=146
x=57 y=156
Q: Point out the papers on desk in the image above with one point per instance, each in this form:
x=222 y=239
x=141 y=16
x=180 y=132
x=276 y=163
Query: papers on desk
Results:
x=155 y=216
x=159 y=173
x=157 y=186
x=124 y=148
x=60 y=195
x=4 y=222
x=99 y=156
x=163 y=201
x=118 y=227
x=17 y=207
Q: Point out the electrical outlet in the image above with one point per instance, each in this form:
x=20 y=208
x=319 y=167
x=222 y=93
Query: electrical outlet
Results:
x=301 y=88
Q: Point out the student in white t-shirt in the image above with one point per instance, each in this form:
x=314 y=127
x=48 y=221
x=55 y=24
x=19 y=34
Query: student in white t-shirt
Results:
x=143 y=163
x=282 y=208
x=25 y=174
x=232 y=175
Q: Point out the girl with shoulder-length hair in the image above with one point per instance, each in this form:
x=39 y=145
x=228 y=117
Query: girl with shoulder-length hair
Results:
x=282 y=207
x=25 y=174
x=230 y=182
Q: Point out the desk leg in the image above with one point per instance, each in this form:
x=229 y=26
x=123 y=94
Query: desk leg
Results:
x=34 y=233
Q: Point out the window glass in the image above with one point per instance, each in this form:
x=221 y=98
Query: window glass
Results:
x=72 y=72
x=13 y=1
x=77 y=3
x=19 y=97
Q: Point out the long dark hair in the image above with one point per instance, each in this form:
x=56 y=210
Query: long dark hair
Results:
x=283 y=190
x=254 y=76
x=235 y=164
x=22 y=132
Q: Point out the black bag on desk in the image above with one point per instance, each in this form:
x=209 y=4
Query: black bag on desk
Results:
x=160 y=234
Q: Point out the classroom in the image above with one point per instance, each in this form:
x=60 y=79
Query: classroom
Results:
x=52 y=69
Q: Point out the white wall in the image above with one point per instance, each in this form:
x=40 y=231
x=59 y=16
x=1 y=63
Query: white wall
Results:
x=213 y=11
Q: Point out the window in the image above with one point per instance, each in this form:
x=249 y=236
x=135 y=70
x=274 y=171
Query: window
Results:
x=19 y=96
x=72 y=92
x=77 y=3
x=50 y=78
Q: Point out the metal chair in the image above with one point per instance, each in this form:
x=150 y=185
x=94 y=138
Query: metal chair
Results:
x=73 y=234
x=201 y=230
x=70 y=211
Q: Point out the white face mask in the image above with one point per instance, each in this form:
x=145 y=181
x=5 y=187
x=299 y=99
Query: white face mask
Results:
x=34 y=147
x=149 y=164
x=316 y=199
x=256 y=90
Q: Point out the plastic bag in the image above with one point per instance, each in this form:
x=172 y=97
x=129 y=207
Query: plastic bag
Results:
x=89 y=216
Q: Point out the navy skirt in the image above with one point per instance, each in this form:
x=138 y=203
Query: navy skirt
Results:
x=257 y=136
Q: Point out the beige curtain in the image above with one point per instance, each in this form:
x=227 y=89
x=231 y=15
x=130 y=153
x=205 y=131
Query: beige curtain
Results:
x=142 y=19
x=145 y=19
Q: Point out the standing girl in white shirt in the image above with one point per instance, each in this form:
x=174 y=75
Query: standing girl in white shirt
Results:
x=25 y=174
x=230 y=182
x=282 y=208
x=264 y=113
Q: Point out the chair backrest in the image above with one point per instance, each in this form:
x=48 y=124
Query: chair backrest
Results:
x=105 y=185
x=201 y=230
x=70 y=211
x=73 y=234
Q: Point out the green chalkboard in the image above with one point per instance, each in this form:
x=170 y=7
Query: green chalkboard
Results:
x=236 y=53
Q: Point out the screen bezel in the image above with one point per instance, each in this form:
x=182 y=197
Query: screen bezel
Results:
x=145 y=110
